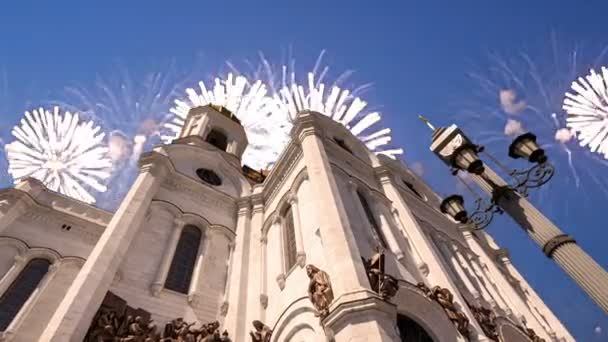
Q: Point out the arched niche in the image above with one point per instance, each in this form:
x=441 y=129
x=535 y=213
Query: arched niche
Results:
x=424 y=312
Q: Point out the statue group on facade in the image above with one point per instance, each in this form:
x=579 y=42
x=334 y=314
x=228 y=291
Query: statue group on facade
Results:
x=445 y=298
x=320 y=292
x=262 y=332
x=383 y=284
x=115 y=321
x=487 y=321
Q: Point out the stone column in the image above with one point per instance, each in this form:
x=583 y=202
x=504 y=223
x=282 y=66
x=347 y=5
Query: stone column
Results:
x=462 y=274
x=562 y=248
x=422 y=266
x=386 y=225
x=297 y=224
x=252 y=285
x=352 y=296
x=237 y=298
x=511 y=297
x=438 y=271
x=194 y=291
x=75 y=313
x=275 y=243
x=165 y=265
x=537 y=306
x=484 y=280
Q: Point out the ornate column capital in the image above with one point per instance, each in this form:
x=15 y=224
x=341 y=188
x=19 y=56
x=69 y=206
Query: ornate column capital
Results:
x=301 y=259
x=292 y=198
x=281 y=281
x=178 y=223
x=264 y=240
x=264 y=300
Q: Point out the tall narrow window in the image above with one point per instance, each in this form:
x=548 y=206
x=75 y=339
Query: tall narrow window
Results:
x=371 y=218
x=217 y=139
x=410 y=331
x=413 y=189
x=289 y=236
x=21 y=289
x=182 y=266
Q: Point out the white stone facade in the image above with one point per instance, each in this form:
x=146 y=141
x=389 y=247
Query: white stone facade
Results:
x=248 y=266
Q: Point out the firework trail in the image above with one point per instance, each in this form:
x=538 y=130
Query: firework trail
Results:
x=133 y=109
x=526 y=93
x=342 y=104
x=259 y=114
x=587 y=111
x=67 y=155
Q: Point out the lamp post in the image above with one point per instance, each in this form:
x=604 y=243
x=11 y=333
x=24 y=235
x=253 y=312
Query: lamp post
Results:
x=457 y=151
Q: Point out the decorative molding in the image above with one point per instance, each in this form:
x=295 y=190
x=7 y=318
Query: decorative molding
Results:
x=264 y=301
x=199 y=193
x=281 y=281
x=224 y=309
x=301 y=259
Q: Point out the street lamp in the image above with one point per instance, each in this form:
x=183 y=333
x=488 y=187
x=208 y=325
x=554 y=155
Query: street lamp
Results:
x=454 y=206
x=453 y=147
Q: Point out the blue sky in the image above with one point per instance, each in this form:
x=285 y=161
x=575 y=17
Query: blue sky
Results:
x=417 y=55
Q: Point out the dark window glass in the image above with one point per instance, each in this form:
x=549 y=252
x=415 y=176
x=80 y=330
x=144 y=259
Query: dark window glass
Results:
x=21 y=289
x=182 y=266
x=410 y=331
x=342 y=144
x=217 y=139
x=290 y=239
x=411 y=187
x=209 y=176
x=371 y=218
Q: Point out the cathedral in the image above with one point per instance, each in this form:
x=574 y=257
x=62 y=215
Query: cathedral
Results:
x=335 y=243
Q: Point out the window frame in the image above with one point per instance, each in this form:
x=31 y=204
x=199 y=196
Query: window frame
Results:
x=371 y=217
x=185 y=278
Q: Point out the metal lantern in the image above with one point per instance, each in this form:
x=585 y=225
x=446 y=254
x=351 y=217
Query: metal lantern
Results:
x=454 y=206
x=465 y=158
x=525 y=146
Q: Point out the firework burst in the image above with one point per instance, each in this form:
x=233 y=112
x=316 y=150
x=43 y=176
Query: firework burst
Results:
x=587 y=111
x=342 y=104
x=132 y=107
x=525 y=93
x=67 y=155
x=259 y=114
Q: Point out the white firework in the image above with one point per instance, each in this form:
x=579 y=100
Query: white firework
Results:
x=587 y=110
x=338 y=104
x=250 y=103
x=67 y=155
x=342 y=105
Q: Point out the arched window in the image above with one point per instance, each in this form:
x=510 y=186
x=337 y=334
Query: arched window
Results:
x=209 y=177
x=342 y=144
x=217 y=139
x=21 y=289
x=184 y=259
x=413 y=189
x=289 y=239
x=371 y=218
x=410 y=331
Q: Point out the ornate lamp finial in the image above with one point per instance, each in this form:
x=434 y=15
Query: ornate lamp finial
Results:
x=426 y=122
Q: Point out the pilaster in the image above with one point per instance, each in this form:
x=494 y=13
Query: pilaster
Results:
x=163 y=270
x=73 y=316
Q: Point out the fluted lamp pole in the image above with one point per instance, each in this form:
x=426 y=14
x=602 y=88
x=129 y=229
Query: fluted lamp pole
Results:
x=455 y=149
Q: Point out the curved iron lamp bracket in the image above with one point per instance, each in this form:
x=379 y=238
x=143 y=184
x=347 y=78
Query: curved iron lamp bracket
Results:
x=533 y=177
x=483 y=214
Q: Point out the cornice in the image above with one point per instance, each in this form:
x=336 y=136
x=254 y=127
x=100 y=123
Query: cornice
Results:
x=200 y=193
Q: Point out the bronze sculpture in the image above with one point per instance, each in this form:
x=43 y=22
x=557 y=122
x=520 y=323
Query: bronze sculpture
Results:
x=320 y=292
x=383 y=284
x=262 y=332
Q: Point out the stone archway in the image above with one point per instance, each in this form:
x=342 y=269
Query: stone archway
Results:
x=411 y=331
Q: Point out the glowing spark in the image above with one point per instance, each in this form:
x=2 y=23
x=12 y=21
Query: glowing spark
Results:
x=587 y=110
x=67 y=155
x=257 y=112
